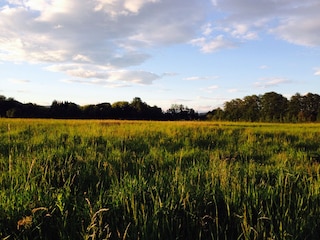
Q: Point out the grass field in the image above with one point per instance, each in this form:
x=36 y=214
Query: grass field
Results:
x=69 y=179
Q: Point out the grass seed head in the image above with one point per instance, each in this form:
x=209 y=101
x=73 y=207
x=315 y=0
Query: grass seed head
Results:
x=24 y=223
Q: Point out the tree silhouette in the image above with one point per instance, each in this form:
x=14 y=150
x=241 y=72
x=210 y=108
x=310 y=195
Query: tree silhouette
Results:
x=269 y=107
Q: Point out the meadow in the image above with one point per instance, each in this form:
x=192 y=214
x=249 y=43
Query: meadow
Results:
x=91 y=179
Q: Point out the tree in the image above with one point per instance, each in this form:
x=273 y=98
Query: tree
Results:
x=180 y=112
x=311 y=106
x=65 y=110
x=273 y=107
x=251 y=108
x=104 y=110
x=216 y=114
x=139 y=109
x=233 y=110
x=295 y=107
x=121 y=110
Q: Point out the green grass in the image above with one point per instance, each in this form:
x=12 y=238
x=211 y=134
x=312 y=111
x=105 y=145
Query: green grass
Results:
x=69 y=179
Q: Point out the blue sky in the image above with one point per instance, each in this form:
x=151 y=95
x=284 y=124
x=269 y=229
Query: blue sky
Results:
x=196 y=53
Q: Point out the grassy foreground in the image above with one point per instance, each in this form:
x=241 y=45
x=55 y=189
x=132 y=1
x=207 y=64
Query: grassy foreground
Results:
x=63 y=179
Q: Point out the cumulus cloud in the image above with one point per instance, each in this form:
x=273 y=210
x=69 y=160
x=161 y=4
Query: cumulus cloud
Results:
x=104 y=76
x=208 y=45
x=294 y=21
x=300 y=30
x=103 y=83
x=99 y=39
x=207 y=29
x=101 y=74
x=109 y=34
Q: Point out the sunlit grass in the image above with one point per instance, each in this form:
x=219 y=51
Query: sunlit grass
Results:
x=158 y=180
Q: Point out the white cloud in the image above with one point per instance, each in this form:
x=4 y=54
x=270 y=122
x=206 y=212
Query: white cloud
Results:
x=210 y=89
x=294 y=21
x=270 y=82
x=263 y=66
x=317 y=71
x=300 y=30
x=195 y=78
x=81 y=58
x=101 y=39
x=242 y=31
x=198 y=78
x=19 y=81
x=213 y=87
x=115 y=34
x=103 y=83
x=122 y=7
x=207 y=29
x=169 y=74
x=233 y=90
x=103 y=75
x=140 y=77
x=208 y=45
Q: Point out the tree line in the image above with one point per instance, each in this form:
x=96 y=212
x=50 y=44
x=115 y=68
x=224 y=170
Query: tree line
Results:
x=134 y=110
x=269 y=107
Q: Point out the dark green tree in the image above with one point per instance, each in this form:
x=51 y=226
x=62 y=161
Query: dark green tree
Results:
x=233 y=110
x=273 y=107
x=65 y=110
x=311 y=106
x=295 y=107
x=139 y=109
x=215 y=114
x=251 y=108
x=121 y=110
x=181 y=112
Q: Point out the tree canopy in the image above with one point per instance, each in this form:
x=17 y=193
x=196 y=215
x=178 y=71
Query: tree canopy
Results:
x=269 y=107
x=135 y=110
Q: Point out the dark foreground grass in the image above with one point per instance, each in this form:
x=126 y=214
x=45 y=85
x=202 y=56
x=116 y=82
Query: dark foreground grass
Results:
x=158 y=180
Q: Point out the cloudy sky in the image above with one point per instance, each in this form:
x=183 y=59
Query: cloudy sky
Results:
x=199 y=53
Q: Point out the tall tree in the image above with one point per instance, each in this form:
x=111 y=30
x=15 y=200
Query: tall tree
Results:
x=251 y=108
x=273 y=107
x=311 y=106
x=121 y=110
x=233 y=110
x=139 y=109
x=295 y=106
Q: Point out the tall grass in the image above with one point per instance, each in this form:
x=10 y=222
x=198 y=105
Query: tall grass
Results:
x=64 y=179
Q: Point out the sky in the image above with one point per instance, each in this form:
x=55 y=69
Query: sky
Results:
x=198 y=53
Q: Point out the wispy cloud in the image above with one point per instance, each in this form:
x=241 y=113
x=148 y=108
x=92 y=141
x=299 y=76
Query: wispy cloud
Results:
x=169 y=74
x=210 y=89
x=263 y=66
x=317 y=71
x=207 y=29
x=209 y=45
x=100 y=74
x=271 y=82
x=19 y=81
x=199 y=78
x=103 y=83
x=233 y=90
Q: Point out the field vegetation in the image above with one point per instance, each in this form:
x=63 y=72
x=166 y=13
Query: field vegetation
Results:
x=93 y=179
